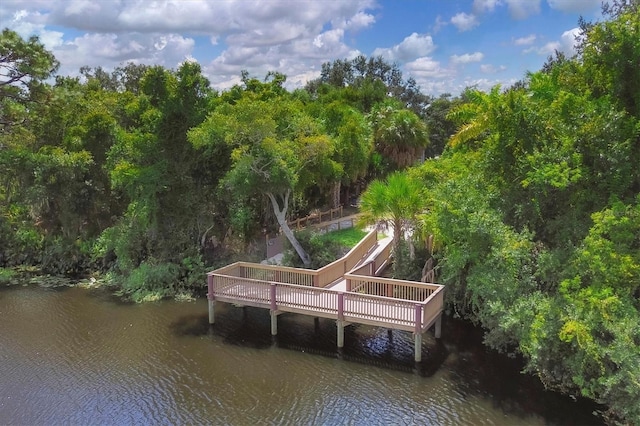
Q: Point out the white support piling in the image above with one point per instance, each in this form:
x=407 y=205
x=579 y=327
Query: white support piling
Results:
x=418 y=347
x=212 y=311
x=438 y=327
x=274 y=323
x=340 y=325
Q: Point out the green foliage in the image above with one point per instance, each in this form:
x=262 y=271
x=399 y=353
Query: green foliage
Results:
x=24 y=64
x=396 y=201
x=150 y=281
x=399 y=135
x=7 y=276
x=363 y=82
x=535 y=214
x=533 y=202
x=353 y=140
x=405 y=267
x=440 y=127
x=609 y=50
x=324 y=248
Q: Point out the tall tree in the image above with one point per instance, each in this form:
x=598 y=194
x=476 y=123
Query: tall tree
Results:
x=24 y=65
x=353 y=144
x=278 y=149
x=399 y=135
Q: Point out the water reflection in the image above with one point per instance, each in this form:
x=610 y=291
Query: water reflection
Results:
x=80 y=357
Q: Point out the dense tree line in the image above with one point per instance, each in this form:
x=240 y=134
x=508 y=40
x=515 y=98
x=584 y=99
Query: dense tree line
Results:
x=149 y=174
x=523 y=201
x=533 y=214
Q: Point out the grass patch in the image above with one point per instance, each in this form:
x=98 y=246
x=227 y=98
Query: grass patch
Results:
x=323 y=248
x=346 y=238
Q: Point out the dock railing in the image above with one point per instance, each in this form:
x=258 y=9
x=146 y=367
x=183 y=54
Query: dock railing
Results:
x=299 y=276
x=389 y=287
x=368 y=299
x=335 y=270
x=316 y=217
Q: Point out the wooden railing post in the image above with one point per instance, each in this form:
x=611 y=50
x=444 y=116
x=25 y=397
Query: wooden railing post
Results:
x=418 y=319
x=274 y=309
x=272 y=297
x=212 y=298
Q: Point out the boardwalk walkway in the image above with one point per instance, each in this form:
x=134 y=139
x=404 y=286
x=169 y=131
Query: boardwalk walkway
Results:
x=348 y=290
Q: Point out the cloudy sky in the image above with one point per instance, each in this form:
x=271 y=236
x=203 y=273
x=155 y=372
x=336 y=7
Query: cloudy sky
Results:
x=446 y=45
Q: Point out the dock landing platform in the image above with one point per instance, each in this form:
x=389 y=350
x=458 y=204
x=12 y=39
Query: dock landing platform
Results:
x=348 y=290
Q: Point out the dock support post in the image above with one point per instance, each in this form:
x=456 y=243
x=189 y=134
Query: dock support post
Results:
x=212 y=311
x=274 y=323
x=438 y=327
x=417 y=333
x=340 y=334
x=211 y=298
x=340 y=322
x=418 y=347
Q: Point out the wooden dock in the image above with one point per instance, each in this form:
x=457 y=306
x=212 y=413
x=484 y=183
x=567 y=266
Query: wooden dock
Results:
x=348 y=290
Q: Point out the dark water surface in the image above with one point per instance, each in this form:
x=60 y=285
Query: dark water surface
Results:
x=77 y=356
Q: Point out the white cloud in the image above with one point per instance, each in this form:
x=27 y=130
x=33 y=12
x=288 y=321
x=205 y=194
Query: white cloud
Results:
x=480 y=84
x=568 y=41
x=423 y=68
x=111 y=50
x=357 y=22
x=566 y=45
x=464 y=21
x=439 y=24
x=279 y=32
x=413 y=46
x=466 y=58
x=521 y=9
x=250 y=34
x=491 y=69
x=545 y=50
x=575 y=6
x=480 y=6
x=295 y=38
x=525 y=41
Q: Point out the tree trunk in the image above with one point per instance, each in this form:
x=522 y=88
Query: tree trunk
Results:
x=281 y=216
x=335 y=195
x=428 y=271
x=397 y=232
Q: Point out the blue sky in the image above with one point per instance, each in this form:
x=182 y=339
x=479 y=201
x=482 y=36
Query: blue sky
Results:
x=445 y=45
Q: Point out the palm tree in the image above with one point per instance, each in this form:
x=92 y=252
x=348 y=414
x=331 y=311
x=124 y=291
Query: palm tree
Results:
x=399 y=134
x=396 y=201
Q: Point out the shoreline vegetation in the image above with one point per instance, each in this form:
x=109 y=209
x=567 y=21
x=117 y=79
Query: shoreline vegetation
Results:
x=326 y=245
x=524 y=201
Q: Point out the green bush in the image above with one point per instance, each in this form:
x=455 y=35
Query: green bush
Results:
x=7 y=275
x=151 y=281
x=405 y=268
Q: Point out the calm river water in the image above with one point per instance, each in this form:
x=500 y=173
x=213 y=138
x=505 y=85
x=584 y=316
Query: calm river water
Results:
x=77 y=356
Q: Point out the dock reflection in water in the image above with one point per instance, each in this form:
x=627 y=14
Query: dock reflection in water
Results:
x=78 y=356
